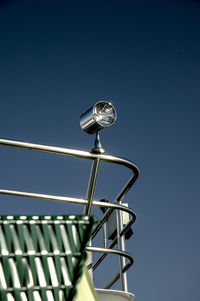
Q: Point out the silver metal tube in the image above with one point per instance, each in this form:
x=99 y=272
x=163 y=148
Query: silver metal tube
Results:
x=110 y=283
x=121 y=247
x=91 y=185
x=89 y=197
x=106 y=216
x=69 y=200
x=104 y=236
x=110 y=251
x=101 y=258
x=80 y=154
x=75 y=201
x=44 y=196
x=115 y=252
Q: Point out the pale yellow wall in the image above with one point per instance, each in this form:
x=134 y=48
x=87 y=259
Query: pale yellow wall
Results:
x=85 y=288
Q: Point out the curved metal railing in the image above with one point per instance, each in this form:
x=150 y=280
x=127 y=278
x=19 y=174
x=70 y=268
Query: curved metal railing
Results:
x=89 y=201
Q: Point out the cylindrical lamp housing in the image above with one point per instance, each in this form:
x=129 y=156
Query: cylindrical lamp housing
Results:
x=101 y=115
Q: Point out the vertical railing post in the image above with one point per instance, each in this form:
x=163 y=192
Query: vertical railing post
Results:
x=88 y=207
x=91 y=185
x=121 y=247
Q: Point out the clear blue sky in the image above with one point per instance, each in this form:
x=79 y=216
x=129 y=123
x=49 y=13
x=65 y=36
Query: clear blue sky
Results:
x=57 y=58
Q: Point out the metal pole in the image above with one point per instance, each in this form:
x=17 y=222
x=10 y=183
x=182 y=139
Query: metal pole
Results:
x=89 y=197
x=105 y=235
x=121 y=247
x=91 y=185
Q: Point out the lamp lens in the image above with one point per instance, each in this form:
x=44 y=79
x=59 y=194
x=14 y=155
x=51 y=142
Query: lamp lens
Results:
x=104 y=113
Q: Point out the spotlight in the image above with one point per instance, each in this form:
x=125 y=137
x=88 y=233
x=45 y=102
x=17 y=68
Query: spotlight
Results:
x=98 y=117
x=101 y=115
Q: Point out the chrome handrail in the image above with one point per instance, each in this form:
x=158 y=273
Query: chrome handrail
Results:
x=115 y=252
x=89 y=202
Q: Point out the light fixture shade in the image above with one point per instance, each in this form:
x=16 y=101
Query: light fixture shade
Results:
x=101 y=115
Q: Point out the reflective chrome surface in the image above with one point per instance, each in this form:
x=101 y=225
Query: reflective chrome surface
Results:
x=89 y=202
x=101 y=115
x=104 y=113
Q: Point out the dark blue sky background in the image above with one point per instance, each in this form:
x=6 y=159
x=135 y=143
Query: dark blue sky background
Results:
x=57 y=58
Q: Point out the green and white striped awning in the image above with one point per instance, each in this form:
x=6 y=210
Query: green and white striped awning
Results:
x=41 y=257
